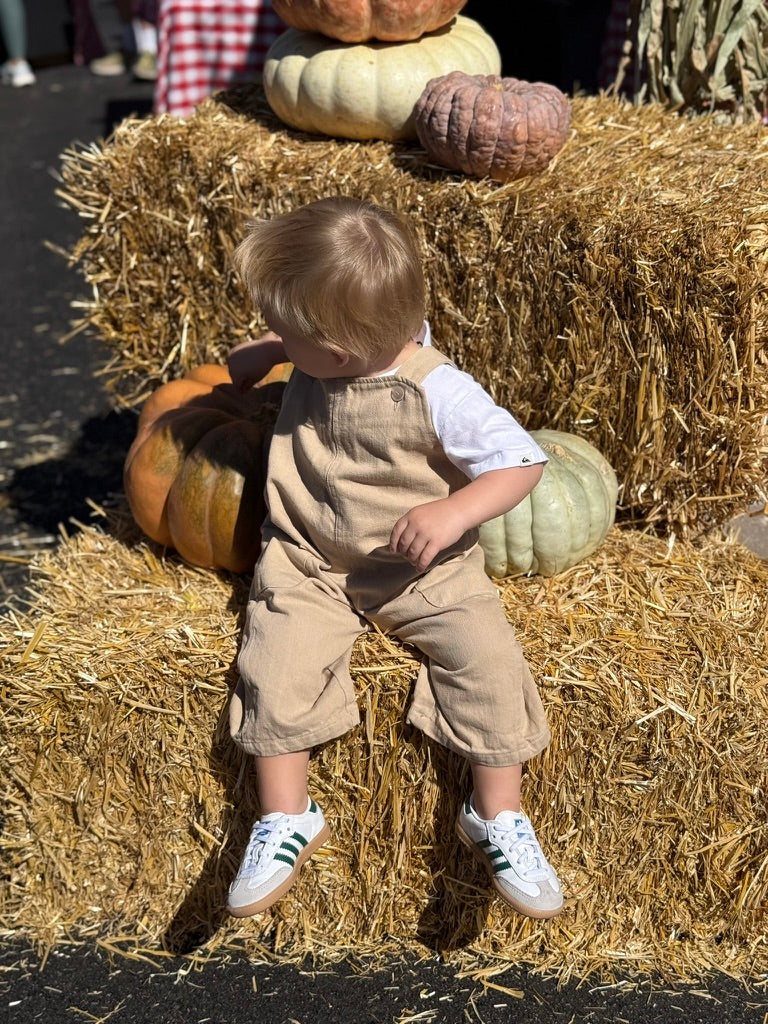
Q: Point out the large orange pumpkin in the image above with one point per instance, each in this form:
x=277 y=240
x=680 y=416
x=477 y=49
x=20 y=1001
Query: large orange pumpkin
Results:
x=357 y=21
x=194 y=475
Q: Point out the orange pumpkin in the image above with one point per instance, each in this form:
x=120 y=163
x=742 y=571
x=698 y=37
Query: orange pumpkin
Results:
x=357 y=21
x=194 y=475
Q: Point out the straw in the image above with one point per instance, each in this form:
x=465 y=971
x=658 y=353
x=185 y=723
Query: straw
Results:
x=620 y=295
x=127 y=806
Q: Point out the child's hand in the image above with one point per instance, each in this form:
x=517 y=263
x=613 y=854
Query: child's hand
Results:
x=251 y=360
x=426 y=530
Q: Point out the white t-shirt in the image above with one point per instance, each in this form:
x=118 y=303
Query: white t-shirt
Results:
x=476 y=434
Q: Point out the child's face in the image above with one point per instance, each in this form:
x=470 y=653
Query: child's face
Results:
x=305 y=355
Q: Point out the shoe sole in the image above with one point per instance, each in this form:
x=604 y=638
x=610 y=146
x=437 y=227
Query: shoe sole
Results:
x=521 y=908
x=266 y=902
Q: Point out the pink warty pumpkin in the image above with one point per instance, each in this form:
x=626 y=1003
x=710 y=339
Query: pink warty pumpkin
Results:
x=357 y=21
x=488 y=126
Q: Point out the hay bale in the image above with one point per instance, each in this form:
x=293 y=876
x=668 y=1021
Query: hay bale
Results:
x=621 y=295
x=127 y=807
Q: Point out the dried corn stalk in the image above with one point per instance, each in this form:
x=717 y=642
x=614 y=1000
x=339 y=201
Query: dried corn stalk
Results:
x=703 y=54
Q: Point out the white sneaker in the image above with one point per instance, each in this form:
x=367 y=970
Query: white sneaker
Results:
x=17 y=73
x=108 y=66
x=509 y=849
x=279 y=845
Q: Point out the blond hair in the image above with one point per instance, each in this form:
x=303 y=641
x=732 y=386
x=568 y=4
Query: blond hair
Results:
x=341 y=272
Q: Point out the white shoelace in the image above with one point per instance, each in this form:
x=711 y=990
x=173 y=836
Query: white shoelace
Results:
x=266 y=836
x=519 y=843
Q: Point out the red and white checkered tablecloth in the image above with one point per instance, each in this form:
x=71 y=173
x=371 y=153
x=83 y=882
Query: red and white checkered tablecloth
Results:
x=205 y=45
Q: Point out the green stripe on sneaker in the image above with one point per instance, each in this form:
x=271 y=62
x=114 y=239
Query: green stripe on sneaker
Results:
x=289 y=848
x=300 y=837
x=291 y=861
x=496 y=857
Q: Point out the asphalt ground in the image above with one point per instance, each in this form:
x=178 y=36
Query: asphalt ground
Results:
x=61 y=445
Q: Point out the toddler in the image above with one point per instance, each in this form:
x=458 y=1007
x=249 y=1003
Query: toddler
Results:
x=385 y=459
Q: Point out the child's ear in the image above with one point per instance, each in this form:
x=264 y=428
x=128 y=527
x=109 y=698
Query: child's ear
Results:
x=342 y=358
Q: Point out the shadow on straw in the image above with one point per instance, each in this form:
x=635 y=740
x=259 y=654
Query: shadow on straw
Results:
x=457 y=907
x=203 y=911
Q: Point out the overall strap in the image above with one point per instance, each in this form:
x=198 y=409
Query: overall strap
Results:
x=421 y=363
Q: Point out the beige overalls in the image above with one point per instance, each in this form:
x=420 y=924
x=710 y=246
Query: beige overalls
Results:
x=348 y=458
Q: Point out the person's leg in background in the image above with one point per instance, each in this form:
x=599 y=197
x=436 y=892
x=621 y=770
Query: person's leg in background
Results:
x=13 y=28
x=145 y=33
x=112 y=19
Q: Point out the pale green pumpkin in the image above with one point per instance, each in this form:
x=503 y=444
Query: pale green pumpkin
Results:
x=367 y=90
x=564 y=518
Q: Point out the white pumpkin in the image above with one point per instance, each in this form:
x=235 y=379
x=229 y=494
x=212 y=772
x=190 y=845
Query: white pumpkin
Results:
x=564 y=518
x=367 y=90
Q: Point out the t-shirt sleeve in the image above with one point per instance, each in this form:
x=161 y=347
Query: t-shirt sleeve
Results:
x=476 y=434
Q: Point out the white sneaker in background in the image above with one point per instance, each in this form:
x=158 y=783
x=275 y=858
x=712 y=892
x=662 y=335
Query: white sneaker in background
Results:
x=108 y=66
x=17 y=73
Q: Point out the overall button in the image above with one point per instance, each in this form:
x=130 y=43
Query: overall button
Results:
x=398 y=393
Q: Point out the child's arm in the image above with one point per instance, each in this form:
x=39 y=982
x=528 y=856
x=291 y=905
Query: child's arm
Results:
x=251 y=360
x=428 y=529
